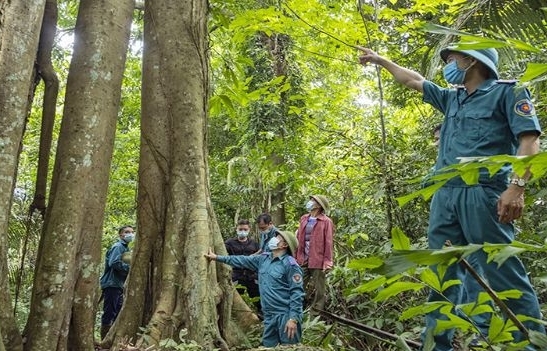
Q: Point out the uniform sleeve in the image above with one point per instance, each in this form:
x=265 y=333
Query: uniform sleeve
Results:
x=436 y=96
x=115 y=260
x=520 y=111
x=296 y=292
x=329 y=244
x=239 y=261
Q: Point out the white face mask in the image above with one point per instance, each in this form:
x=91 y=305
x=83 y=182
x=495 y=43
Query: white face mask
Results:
x=310 y=205
x=242 y=234
x=129 y=237
x=272 y=244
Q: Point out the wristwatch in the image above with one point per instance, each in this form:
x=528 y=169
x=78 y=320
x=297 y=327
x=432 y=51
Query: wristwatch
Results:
x=518 y=181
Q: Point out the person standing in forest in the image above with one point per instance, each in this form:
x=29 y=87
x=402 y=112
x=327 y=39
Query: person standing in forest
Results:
x=267 y=231
x=483 y=117
x=315 y=250
x=281 y=288
x=243 y=245
x=113 y=278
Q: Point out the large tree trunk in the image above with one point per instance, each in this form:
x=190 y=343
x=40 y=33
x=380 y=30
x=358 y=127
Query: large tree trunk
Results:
x=20 y=22
x=173 y=186
x=188 y=292
x=69 y=256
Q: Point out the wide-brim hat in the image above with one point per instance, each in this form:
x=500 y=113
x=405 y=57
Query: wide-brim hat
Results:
x=291 y=240
x=489 y=57
x=322 y=201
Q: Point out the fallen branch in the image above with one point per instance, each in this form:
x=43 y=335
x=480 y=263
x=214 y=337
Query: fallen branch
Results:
x=380 y=334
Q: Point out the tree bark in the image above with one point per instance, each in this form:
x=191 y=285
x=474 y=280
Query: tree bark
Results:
x=68 y=262
x=20 y=22
x=46 y=72
x=143 y=282
x=173 y=185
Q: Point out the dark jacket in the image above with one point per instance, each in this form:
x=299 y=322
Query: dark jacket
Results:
x=115 y=270
x=246 y=248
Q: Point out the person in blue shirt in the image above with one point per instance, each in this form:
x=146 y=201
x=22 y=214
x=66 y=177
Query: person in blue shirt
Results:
x=113 y=278
x=266 y=229
x=280 y=285
x=483 y=117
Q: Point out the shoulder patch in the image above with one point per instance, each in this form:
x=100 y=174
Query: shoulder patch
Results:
x=297 y=278
x=524 y=108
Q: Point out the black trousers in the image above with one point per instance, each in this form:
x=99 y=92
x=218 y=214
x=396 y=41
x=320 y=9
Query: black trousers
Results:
x=112 y=304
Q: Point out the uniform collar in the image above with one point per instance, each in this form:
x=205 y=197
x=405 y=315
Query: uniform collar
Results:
x=487 y=85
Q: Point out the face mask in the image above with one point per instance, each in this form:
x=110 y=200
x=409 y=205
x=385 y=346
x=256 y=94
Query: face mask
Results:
x=242 y=234
x=310 y=205
x=272 y=244
x=453 y=74
x=128 y=238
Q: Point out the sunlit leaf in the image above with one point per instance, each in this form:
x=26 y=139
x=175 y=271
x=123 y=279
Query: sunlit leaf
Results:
x=399 y=240
x=397 y=288
x=533 y=70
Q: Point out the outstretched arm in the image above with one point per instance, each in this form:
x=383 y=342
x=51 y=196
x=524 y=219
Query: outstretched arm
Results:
x=411 y=79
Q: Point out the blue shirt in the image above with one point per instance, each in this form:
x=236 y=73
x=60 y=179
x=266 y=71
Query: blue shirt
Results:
x=264 y=238
x=485 y=123
x=279 y=282
x=115 y=270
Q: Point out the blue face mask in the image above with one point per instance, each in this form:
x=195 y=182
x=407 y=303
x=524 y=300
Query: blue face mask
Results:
x=128 y=237
x=242 y=234
x=310 y=205
x=272 y=244
x=453 y=74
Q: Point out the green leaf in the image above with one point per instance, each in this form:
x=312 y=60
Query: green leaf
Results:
x=501 y=254
x=403 y=260
x=397 y=288
x=447 y=284
x=500 y=330
x=431 y=279
x=453 y=321
x=365 y=263
x=399 y=240
x=371 y=285
x=533 y=70
x=422 y=309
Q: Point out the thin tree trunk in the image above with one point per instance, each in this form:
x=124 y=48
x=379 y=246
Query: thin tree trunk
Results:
x=19 y=33
x=68 y=262
x=46 y=72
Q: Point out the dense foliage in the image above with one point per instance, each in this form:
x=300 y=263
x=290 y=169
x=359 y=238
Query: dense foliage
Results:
x=291 y=111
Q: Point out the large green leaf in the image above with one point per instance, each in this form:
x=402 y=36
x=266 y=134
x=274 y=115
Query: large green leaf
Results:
x=533 y=71
x=397 y=288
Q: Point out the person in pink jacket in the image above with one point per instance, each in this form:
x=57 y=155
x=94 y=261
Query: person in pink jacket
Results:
x=315 y=250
